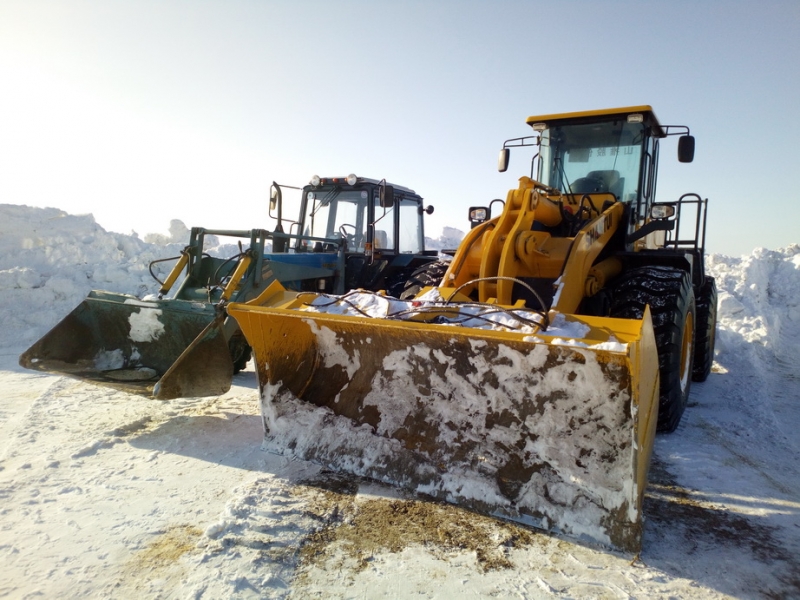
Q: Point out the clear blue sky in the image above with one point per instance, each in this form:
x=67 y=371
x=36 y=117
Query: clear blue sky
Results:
x=144 y=111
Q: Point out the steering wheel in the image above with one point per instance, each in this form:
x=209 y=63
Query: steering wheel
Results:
x=351 y=238
x=344 y=232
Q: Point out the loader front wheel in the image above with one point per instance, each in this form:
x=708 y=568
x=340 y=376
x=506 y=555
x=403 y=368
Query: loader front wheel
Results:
x=669 y=293
x=428 y=275
x=706 y=330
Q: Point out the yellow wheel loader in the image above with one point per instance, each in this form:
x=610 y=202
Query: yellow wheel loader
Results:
x=525 y=378
x=352 y=232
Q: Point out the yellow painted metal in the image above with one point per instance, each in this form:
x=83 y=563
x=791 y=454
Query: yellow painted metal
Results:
x=686 y=350
x=558 y=118
x=600 y=274
x=236 y=278
x=516 y=245
x=554 y=433
x=175 y=273
x=466 y=263
x=508 y=247
x=586 y=247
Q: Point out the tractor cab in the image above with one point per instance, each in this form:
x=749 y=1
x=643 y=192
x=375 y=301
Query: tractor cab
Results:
x=365 y=232
x=367 y=215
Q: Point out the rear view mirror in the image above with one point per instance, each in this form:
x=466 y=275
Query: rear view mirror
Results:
x=276 y=201
x=274 y=196
x=502 y=161
x=387 y=196
x=686 y=148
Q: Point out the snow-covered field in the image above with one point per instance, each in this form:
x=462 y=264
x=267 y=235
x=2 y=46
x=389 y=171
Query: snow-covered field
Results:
x=104 y=494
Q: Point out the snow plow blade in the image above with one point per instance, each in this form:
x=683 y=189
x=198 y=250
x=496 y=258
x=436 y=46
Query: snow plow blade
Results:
x=552 y=432
x=162 y=348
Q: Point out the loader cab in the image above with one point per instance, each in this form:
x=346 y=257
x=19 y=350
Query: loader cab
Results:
x=592 y=158
x=611 y=151
x=367 y=215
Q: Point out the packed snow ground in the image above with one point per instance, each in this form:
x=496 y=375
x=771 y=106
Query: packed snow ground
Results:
x=106 y=494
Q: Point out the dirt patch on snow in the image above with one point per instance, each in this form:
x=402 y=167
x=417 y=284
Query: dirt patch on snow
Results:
x=156 y=565
x=168 y=547
x=353 y=530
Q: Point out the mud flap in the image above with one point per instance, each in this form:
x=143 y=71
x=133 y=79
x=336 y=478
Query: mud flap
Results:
x=553 y=433
x=120 y=341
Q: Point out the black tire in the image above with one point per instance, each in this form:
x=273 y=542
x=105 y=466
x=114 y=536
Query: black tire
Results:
x=669 y=293
x=428 y=275
x=396 y=282
x=705 y=330
x=240 y=350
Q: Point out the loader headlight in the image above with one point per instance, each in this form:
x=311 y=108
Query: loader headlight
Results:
x=477 y=214
x=662 y=211
x=351 y=179
x=315 y=180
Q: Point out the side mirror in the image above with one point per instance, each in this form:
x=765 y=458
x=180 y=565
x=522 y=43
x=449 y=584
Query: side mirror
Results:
x=502 y=161
x=427 y=210
x=276 y=201
x=387 y=196
x=274 y=196
x=686 y=148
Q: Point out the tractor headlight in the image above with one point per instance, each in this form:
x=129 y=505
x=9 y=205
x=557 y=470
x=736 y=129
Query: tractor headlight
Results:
x=351 y=179
x=315 y=180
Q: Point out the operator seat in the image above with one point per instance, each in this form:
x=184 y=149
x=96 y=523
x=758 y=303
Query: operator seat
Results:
x=596 y=182
x=381 y=239
x=610 y=178
x=586 y=185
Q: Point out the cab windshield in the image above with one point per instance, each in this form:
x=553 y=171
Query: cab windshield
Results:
x=336 y=213
x=596 y=157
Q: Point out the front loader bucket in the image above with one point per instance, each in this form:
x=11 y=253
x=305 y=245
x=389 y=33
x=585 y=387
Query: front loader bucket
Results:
x=163 y=348
x=549 y=431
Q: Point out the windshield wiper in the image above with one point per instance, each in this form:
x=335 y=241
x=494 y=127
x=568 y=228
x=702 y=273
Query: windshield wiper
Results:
x=329 y=197
x=559 y=164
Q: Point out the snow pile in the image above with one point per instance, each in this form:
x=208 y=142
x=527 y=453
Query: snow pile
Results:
x=450 y=238
x=758 y=332
x=759 y=295
x=49 y=260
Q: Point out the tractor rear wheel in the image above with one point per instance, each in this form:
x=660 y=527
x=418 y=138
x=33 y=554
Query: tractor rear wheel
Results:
x=428 y=275
x=240 y=350
x=669 y=293
x=706 y=333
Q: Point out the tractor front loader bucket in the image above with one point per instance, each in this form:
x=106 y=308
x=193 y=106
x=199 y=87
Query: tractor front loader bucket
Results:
x=549 y=429
x=161 y=348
